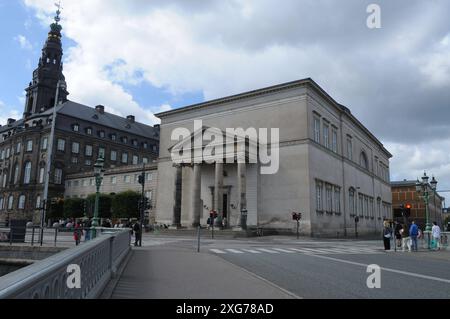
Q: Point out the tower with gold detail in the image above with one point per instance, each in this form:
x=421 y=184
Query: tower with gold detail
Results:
x=40 y=94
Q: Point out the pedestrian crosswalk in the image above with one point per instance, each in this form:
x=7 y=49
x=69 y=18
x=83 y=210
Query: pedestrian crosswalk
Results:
x=347 y=250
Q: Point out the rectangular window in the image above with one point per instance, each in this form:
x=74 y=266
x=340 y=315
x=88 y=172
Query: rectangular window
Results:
x=41 y=175
x=361 y=205
x=38 y=202
x=366 y=206
x=135 y=160
x=101 y=152
x=127 y=179
x=337 y=200
x=84 y=183
x=326 y=140
x=58 y=176
x=145 y=160
x=113 y=156
x=74 y=160
x=351 y=202
x=8 y=152
x=2 y=155
x=113 y=137
x=61 y=145
x=316 y=130
x=125 y=158
x=329 y=199
x=18 y=148
x=30 y=146
x=44 y=143
x=113 y=180
x=75 y=147
x=76 y=128
x=145 y=145
x=91 y=182
x=371 y=212
x=88 y=150
x=334 y=141
x=149 y=176
x=89 y=131
x=21 y=202
x=349 y=149
x=149 y=194
x=10 y=202
x=319 y=196
x=88 y=162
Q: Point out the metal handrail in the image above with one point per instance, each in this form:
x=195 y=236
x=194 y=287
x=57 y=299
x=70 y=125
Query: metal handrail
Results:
x=98 y=260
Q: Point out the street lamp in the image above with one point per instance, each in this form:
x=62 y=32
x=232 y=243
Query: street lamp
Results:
x=98 y=173
x=433 y=184
x=422 y=187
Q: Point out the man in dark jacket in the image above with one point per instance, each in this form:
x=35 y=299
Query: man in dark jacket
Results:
x=137 y=234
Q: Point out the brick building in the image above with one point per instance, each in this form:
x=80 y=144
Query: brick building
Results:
x=404 y=192
x=82 y=134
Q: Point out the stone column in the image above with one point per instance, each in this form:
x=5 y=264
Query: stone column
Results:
x=218 y=190
x=176 y=220
x=196 y=202
x=242 y=187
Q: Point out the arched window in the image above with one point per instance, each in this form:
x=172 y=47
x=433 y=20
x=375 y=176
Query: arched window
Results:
x=21 y=202
x=1 y=203
x=41 y=174
x=16 y=173
x=363 y=160
x=38 y=202
x=5 y=178
x=27 y=173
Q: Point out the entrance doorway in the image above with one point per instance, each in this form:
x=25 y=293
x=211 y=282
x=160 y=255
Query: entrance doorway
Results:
x=225 y=206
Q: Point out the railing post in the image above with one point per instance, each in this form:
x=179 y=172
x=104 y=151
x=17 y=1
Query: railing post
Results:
x=56 y=235
x=111 y=252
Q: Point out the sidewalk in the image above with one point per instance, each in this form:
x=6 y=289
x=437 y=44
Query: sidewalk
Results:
x=174 y=273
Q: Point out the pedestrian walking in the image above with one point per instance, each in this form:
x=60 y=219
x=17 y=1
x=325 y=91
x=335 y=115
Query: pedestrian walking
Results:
x=387 y=234
x=406 y=240
x=414 y=233
x=137 y=234
x=77 y=233
x=436 y=236
x=398 y=236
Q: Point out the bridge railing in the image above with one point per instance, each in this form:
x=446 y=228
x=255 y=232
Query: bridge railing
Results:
x=443 y=242
x=98 y=260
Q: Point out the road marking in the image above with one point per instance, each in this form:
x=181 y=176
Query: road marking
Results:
x=284 y=250
x=252 y=251
x=217 y=251
x=301 y=250
x=234 y=251
x=406 y=273
x=268 y=251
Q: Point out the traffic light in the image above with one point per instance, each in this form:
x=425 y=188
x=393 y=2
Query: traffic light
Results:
x=213 y=214
x=407 y=210
x=147 y=203
x=141 y=179
x=296 y=216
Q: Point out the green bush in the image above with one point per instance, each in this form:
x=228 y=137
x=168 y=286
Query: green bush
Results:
x=104 y=205
x=125 y=204
x=73 y=208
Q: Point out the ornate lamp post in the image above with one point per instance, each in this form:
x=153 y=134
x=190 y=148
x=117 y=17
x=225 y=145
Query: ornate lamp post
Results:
x=433 y=184
x=422 y=187
x=98 y=172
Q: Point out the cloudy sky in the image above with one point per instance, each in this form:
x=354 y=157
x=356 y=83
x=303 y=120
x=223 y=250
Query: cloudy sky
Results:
x=145 y=56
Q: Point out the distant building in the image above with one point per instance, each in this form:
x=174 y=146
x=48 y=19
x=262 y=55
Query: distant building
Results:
x=115 y=180
x=82 y=135
x=332 y=169
x=404 y=192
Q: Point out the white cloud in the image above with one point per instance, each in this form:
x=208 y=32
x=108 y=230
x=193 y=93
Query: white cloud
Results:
x=226 y=47
x=8 y=112
x=23 y=41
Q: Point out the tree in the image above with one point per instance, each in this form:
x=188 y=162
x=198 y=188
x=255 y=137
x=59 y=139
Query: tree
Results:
x=104 y=205
x=55 y=208
x=74 y=208
x=125 y=205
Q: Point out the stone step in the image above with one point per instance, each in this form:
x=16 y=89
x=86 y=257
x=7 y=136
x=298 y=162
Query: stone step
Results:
x=204 y=233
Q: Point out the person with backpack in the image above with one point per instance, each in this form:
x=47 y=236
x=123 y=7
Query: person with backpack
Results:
x=387 y=234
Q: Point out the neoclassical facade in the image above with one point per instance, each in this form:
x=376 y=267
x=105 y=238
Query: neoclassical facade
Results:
x=331 y=168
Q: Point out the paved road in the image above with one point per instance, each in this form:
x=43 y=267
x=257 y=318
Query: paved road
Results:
x=171 y=268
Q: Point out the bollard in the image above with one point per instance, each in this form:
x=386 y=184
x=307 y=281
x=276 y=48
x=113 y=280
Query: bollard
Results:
x=32 y=236
x=198 y=239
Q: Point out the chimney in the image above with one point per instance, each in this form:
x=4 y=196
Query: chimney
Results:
x=100 y=109
x=131 y=119
x=11 y=121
